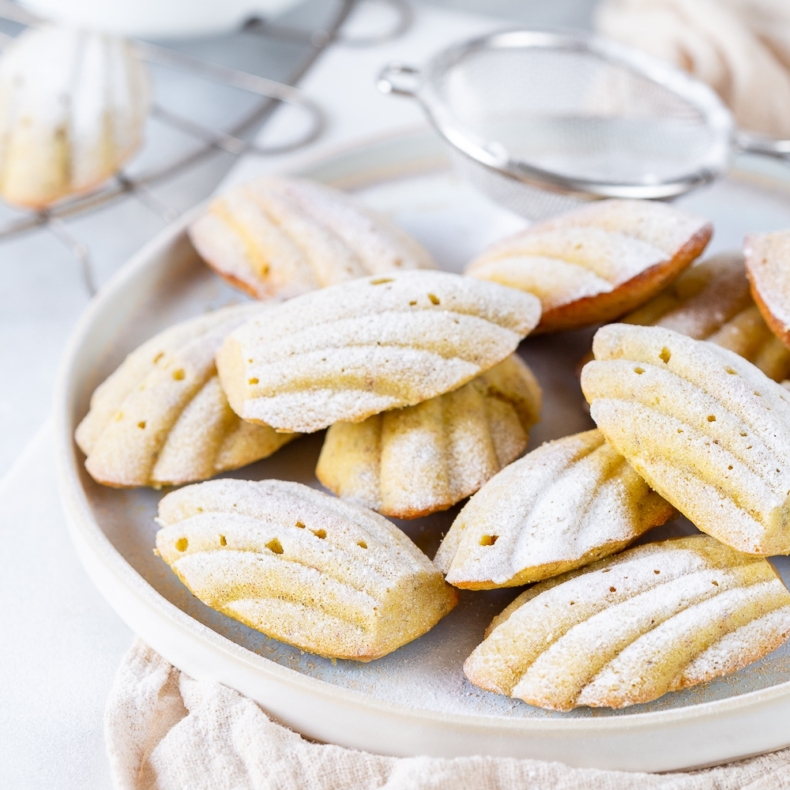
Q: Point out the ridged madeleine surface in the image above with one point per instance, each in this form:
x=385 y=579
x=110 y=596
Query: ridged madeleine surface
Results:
x=353 y=350
x=162 y=417
x=595 y=263
x=327 y=576
x=630 y=628
x=768 y=266
x=564 y=505
x=73 y=108
x=711 y=301
x=286 y=236
x=704 y=427
x=414 y=461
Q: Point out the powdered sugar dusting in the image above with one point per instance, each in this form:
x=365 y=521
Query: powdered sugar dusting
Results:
x=622 y=631
x=554 y=281
x=703 y=618
x=595 y=251
x=321 y=564
x=414 y=461
x=73 y=111
x=613 y=257
x=650 y=221
x=377 y=242
x=347 y=352
x=766 y=261
x=567 y=503
x=738 y=648
x=711 y=301
x=699 y=423
x=162 y=416
x=284 y=236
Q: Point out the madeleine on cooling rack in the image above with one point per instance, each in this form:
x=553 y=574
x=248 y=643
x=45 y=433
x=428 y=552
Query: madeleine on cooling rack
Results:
x=73 y=107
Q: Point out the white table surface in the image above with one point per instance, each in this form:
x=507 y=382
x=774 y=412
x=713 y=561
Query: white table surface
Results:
x=61 y=643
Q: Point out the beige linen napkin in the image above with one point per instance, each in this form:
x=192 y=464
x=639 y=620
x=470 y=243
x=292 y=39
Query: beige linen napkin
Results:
x=741 y=48
x=166 y=731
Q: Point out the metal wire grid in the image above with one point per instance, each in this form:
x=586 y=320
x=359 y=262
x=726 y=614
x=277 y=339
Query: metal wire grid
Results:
x=231 y=141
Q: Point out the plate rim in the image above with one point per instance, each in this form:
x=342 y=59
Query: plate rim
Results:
x=85 y=528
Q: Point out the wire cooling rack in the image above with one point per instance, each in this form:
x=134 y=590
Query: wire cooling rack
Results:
x=235 y=140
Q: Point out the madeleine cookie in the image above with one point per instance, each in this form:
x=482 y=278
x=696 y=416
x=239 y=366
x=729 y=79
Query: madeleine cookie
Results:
x=411 y=462
x=595 y=263
x=768 y=267
x=711 y=301
x=704 y=427
x=630 y=628
x=286 y=236
x=303 y=567
x=73 y=107
x=345 y=353
x=564 y=505
x=162 y=418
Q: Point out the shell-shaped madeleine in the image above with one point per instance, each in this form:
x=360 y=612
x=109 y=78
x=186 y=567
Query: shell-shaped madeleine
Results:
x=632 y=627
x=162 y=417
x=73 y=106
x=704 y=427
x=356 y=349
x=711 y=301
x=414 y=461
x=564 y=505
x=767 y=256
x=285 y=236
x=327 y=576
x=595 y=263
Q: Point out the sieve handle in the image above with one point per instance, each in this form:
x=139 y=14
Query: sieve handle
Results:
x=399 y=79
x=764 y=146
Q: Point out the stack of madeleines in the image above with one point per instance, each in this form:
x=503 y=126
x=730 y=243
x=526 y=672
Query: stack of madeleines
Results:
x=413 y=372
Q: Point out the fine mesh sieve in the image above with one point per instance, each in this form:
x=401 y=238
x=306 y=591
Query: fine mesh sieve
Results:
x=542 y=120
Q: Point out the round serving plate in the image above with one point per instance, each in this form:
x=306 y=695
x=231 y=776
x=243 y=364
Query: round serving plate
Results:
x=415 y=701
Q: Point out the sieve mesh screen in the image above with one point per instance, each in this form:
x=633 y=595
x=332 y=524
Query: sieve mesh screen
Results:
x=573 y=113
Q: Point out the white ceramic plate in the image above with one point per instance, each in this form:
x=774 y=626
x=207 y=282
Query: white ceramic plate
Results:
x=417 y=700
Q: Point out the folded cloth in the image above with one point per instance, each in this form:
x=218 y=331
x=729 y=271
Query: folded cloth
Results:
x=741 y=48
x=166 y=731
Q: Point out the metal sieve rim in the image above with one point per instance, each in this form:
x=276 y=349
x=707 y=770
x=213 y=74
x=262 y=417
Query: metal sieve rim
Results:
x=422 y=85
